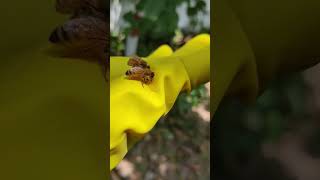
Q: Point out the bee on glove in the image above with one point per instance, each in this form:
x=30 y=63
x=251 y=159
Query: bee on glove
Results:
x=139 y=71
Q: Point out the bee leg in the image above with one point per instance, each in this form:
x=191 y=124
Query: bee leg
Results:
x=142 y=84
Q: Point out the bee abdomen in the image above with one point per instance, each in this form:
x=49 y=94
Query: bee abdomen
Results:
x=59 y=35
x=54 y=37
x=128 y=72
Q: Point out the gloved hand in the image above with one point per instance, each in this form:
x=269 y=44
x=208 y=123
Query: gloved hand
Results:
x=135 y=109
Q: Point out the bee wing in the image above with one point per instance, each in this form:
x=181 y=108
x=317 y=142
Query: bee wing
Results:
x=137 y=61
x=84 y=35
x=137 y=70
x=132 y=62
x=89 y=27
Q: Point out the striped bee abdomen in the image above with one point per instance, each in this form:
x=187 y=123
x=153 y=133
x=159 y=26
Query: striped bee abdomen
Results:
x=59 y=35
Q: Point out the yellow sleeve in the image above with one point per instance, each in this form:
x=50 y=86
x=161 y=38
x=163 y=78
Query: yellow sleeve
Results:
x=135 y=109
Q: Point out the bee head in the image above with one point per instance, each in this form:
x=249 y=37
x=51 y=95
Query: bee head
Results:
x=146 y=79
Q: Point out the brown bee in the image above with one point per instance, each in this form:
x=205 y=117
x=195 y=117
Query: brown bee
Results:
x=86 y=34
x=138 y=62
x=144 y=75
x=140 y=70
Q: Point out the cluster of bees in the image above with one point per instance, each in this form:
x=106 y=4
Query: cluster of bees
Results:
x=140 y=70
x=86 y=36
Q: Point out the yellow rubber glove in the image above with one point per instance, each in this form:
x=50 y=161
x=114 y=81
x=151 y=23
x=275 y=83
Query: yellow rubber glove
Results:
x=135 y=109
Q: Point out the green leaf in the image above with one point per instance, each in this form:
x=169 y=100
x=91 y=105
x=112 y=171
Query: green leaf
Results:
x=201 y=5
x=151 y=8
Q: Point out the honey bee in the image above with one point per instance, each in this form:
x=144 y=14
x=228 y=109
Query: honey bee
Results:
x=138 y=62
x=144 y=75
x=85 y=35
x=139 y=71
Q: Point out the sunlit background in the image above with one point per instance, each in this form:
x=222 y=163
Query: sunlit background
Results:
x=179 y=146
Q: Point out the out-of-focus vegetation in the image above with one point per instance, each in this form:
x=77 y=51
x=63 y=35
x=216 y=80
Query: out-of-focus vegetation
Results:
x=178 y=147
x=156 y=23
x=277 y=138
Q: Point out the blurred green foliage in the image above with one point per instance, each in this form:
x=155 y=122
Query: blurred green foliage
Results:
x=117 y=44
x=156 y=23
x=188 y=100
x=240 y=131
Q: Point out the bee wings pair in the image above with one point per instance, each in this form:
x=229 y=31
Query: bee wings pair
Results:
x=137 y=61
